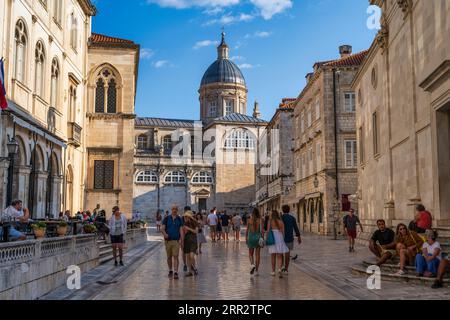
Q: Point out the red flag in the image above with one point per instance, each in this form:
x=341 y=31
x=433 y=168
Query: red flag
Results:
x=3 y=101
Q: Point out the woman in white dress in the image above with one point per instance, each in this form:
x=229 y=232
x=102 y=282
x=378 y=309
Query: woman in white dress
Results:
x=277 y=250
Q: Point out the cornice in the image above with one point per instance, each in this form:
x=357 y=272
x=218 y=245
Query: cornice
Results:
x=96 y=116
x=88 y=8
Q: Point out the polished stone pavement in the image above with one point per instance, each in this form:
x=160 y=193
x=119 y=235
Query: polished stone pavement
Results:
x=322 y=271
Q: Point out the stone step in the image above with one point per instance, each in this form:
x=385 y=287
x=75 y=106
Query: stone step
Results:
x=105 y=259
x=360 y=270
x=390 y=268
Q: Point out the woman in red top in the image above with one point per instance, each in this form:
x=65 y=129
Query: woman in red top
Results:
x=423 y=219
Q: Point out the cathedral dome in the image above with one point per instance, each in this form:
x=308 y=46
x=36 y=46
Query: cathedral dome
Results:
x=223 y=69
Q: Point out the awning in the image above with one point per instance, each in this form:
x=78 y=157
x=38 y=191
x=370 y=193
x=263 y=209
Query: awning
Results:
x=268 y=200
x=313 y=195
x=25 y=120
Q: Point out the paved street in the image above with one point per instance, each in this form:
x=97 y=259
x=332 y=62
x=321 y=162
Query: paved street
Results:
x=321 y=272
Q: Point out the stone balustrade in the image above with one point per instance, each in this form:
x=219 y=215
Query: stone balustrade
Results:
x=32 y=268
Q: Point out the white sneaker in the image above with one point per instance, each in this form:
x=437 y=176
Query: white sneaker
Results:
x=256 y=273
x=272 y=274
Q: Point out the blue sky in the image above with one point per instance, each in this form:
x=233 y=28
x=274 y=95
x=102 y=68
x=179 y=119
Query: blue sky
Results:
x=275 y=42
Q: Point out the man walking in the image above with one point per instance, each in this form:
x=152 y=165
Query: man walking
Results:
x=290 y=226
x=173 y=235
x=212 y=221
x=350 y=222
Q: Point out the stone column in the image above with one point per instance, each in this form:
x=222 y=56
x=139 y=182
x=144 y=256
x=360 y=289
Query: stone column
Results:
x=40 y=200
x=4 y=164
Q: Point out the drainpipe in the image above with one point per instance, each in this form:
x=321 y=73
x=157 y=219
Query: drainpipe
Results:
x=335 y=135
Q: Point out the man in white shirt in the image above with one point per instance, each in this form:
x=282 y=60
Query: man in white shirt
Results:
x=15 y=212
x=212 y=221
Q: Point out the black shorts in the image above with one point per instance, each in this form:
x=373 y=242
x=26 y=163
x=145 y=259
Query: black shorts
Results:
x=117 y=239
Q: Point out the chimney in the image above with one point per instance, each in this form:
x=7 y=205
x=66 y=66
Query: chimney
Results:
x=345 y=50
x=309 y=76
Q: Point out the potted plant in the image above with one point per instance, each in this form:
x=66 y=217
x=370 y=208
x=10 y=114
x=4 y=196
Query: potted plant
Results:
x=62 y=228
x=39 y=229
x=89 y=228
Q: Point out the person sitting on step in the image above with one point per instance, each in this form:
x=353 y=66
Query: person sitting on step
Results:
x=409 y=243
x=427 y=262
x=444 y=266
x=382 y=244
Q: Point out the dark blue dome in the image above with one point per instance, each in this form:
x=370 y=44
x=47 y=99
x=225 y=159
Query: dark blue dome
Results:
x=223 y=70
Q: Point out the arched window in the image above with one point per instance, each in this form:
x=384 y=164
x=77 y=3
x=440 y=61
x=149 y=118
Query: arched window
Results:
x=39 y=55
x=147 y=176
x=112 y=94
x=21 y=40
x=106 y=82
x=142 y=142
x=202 y=177
x=72 y=103
x=240 y=139
x=175 y=177
x=54 y=83
x=73 y=31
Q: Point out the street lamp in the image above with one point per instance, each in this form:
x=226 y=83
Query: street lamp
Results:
x=13 y=149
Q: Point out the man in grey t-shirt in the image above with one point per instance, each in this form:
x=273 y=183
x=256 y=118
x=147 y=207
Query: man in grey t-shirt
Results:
x=350 y=222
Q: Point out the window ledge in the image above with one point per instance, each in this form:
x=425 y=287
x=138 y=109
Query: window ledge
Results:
x=58 y=23
x=377 y=156
x=104 y=190
x=146 y=183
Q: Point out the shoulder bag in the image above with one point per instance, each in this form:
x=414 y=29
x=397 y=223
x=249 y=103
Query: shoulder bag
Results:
x=270 y=241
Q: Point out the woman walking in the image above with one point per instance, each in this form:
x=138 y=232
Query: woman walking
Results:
x=158 y=221
x=118 y=229
x=252 y=238
x=190 y=229
x=278 y=248
x=200 y=235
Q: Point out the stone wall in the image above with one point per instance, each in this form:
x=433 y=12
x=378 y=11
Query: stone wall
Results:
x=32 y=268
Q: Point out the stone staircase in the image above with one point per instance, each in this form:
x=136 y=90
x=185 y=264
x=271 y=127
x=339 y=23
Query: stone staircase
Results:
x=388 y=269
x=105 y=251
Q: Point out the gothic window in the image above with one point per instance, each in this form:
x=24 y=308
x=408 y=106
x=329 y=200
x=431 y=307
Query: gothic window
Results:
x=142 y=142
x=72 y=102
x=202 y=177
x=175 y=177
x=39 y=55
x=104 y=174
x=100 y=96
x=112 y=94
x=106 y=92
x=240 y=139
x=54 y=84
x=20 y=37
x=147 y=176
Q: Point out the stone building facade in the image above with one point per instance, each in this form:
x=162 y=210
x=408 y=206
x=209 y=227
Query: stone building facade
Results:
x=325 y=144
x=112 y=79
x=44 y=44
x=403 y=103
x=206 y=163
x=275 y=175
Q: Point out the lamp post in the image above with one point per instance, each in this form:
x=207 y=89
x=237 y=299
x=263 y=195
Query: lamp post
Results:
x=13 y=149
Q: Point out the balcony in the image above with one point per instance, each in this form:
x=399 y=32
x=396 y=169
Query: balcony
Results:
x=74 y=134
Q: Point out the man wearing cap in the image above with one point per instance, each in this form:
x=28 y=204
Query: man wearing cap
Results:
x=350 y=222
x=172 y=230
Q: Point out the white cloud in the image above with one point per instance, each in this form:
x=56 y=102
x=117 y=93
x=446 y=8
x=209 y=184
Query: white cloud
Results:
x=161 y=64
x=248 y=66
x=213 y=11
x=258 y=34
x=205 y=43
x=147 y=53
x=269 y=8
x=237 y=58
x=183 y=4
x=230 y=19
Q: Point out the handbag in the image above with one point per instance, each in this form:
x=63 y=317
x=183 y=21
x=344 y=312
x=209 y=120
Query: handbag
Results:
x=261 y=240
x=270 y=241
